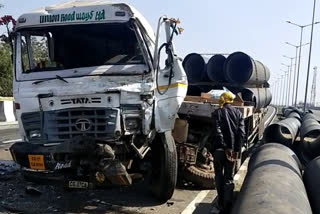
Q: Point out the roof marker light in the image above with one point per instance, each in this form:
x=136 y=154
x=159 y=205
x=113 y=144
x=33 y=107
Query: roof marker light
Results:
x=120 y=13
x=22 y=20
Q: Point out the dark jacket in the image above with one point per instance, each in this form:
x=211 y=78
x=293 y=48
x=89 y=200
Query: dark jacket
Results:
x=229 y=128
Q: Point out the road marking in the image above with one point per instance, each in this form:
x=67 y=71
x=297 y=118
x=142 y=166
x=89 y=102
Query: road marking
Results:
x=243 y=167
x=201 y=196
x=193 y=205
x=11 y=141
x=236 y=177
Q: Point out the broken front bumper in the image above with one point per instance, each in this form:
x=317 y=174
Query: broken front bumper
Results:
x=35 y=156
x=82 y=159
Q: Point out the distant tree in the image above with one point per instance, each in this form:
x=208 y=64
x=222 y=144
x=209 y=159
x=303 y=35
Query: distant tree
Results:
x=6 y=69
x=9 y=22
x=40 y=49
x=6 y=47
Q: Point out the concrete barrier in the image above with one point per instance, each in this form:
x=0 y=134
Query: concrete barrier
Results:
x=7 y=111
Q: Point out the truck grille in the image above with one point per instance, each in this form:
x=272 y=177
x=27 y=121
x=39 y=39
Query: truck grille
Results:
x=31 y=121
x=68 y=123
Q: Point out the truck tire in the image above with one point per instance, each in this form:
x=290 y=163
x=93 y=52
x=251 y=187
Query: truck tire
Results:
x=164 y=166
x=201 y=177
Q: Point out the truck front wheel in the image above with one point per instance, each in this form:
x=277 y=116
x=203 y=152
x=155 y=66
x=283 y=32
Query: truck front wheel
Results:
x=164 y=166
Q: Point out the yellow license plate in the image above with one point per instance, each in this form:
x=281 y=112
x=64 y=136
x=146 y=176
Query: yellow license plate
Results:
x=36 y=162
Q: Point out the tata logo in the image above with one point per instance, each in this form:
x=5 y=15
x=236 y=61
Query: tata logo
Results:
x=83 y=125
x=82 y=100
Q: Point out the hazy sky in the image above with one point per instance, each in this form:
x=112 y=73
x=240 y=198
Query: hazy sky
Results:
x=257 y=27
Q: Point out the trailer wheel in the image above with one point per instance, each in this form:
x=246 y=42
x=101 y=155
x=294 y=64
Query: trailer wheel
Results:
x=164 y=166
x=201 y=177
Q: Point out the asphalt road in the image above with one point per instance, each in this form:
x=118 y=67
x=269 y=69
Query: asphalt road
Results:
x=7 y=138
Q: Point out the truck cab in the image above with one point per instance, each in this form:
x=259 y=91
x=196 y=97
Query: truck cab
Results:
x=93 y=104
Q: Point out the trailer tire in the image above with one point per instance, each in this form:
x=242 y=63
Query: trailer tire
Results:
x=164 y=166
x=201 y=177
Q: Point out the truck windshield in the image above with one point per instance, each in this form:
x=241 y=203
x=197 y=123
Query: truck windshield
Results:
x=75 y=46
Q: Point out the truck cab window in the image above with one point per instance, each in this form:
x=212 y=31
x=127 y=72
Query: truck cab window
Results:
x=35 y=53
x=24 y=54
x=75 y=46
x=39 y=47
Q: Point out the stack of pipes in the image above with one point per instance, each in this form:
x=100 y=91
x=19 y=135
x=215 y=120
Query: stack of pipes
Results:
x=238 y=72
x=273 y=168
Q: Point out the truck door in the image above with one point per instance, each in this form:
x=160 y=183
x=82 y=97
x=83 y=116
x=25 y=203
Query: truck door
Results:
x=171 y=81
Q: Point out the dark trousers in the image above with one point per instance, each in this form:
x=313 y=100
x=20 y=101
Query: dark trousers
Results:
x=224 y=169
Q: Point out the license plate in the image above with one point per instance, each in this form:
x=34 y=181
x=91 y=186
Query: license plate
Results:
x=78 y=184
x=36 y=162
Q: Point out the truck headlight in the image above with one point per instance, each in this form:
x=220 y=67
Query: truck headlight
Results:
x=132 y=123
x=34 y=134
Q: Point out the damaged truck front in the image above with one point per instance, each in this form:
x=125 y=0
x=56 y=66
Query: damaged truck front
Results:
x=93 y=105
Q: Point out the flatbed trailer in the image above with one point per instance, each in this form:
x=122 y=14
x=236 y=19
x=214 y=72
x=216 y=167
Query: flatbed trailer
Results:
x=195 y=122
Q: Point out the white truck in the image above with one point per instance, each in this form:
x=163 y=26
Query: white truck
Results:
x=95 y=107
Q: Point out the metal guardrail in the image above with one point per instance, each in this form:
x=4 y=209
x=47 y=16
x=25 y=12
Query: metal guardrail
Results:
x=272 y=116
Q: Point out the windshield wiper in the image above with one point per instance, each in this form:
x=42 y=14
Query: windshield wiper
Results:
x=61 y=78
x=57 y=77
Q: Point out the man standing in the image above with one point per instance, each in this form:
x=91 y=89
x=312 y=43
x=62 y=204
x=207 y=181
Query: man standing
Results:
x=229 y=136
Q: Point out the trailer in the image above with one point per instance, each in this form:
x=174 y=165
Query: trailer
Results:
x=193 y=136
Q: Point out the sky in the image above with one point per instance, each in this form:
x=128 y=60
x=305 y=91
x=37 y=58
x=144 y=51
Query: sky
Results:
x=256 y=27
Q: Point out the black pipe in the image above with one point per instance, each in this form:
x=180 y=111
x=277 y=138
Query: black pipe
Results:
x=294 y=114
x=257 y=159
x=259 y=97
x=310 y=138
x=309 y=116
x=288 y=110
x=194 y=90
x=273 y=184
x=195 y=67
x=215 y=68
x=240 y=69
x=283 y=132
x=311 y=178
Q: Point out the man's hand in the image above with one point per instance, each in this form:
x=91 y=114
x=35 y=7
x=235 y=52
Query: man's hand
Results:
x=231 y=155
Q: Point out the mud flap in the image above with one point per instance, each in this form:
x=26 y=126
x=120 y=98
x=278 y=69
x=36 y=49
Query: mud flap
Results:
x=165 y=167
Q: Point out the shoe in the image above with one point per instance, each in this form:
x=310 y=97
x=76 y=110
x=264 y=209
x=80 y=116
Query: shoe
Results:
x=215 y=210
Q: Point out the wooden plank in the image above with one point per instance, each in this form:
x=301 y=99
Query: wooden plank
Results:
x=201 y=109
x=236 y=102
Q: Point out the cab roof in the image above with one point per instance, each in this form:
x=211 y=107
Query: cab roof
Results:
x=83 y=12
